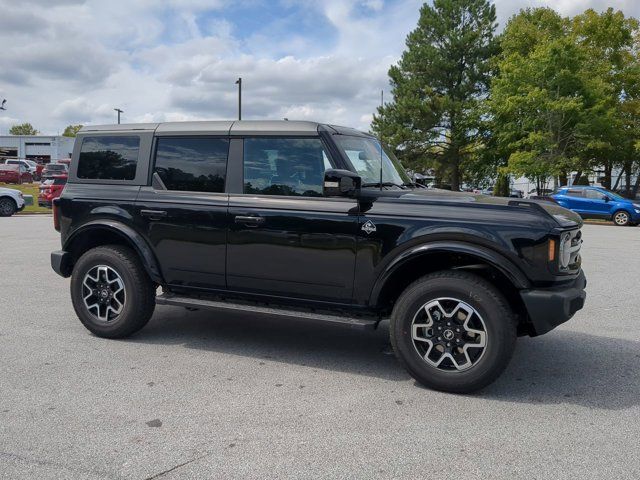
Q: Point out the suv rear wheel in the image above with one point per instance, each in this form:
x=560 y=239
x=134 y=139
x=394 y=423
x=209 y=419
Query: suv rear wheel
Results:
x=453 y=331
x=111 y=292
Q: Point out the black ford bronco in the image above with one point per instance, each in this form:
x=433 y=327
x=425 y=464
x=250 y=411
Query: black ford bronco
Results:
x=315 y=222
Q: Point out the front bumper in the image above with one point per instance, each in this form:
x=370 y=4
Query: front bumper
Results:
x=550 y=307
x=61 y=263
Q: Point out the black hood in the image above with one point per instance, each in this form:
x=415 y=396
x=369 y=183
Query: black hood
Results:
x=563 y=217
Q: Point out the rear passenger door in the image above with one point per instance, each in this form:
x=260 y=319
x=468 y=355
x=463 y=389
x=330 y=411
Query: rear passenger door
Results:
x=184 y=210
x=574 y=200
x=285 y=238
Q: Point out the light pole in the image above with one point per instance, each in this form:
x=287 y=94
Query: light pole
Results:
x=119 y=112
x=239 y=83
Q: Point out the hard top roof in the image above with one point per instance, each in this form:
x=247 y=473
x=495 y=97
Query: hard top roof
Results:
x=225 y=127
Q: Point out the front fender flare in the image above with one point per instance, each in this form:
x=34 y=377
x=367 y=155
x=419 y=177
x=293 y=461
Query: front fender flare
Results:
x=515 y=275
x=136 y=240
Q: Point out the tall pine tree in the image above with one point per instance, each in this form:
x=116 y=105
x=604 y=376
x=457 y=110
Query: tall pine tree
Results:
x=438 y=85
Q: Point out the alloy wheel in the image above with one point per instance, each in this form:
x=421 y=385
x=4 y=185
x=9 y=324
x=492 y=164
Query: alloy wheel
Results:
x=6 y=208
x=103 y=292
x=621 y=218
x=449 y=334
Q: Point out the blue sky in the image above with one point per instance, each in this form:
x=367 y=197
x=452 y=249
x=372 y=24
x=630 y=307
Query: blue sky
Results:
x=73 y=61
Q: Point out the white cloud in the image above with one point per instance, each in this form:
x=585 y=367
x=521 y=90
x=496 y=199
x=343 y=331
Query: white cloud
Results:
x=73 y=61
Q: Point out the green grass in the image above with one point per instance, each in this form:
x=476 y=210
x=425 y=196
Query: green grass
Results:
x=28 y=189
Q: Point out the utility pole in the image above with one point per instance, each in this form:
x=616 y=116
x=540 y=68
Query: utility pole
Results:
x=119 y=112
x=239 y=83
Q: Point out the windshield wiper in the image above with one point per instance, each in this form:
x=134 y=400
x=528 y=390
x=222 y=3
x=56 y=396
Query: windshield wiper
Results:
x=383 y=184
x=413 y=185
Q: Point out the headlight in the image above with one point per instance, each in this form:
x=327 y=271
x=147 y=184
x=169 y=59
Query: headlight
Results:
x=564 y=253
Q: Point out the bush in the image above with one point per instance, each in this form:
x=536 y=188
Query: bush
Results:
x=501 y=188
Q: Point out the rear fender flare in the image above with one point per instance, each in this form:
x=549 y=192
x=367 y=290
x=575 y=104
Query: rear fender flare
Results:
x=128 y=234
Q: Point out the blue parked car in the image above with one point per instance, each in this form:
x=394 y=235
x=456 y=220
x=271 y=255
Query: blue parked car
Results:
x=596 y=202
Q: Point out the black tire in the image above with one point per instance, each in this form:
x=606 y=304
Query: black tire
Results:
x=621 y=218
x=139 y=291
x=7 y=207
x=498 y=318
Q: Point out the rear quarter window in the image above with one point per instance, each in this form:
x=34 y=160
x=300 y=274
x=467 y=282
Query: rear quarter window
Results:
x=109 y=157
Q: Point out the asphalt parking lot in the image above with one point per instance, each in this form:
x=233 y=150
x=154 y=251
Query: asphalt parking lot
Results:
x=202 y=395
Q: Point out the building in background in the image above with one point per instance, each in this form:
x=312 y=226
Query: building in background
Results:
x=40 y=148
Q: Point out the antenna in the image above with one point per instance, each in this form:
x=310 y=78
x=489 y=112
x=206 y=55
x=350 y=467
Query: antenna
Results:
x=381 y=126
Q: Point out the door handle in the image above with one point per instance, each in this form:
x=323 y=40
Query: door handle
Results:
x=153 y=214
x=249 y=221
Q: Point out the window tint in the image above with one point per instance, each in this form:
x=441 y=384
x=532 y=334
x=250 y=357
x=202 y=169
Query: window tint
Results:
x=595 y=195
x=192 y=164
x=108 y=158
x=574 y=193
x=284 y=166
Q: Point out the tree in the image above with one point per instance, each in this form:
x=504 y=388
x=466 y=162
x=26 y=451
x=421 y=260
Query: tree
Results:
x=552 y=108
x=437 y=86
x=566 y=95
x=71 y=130
x=611 y=42
x=23 y=129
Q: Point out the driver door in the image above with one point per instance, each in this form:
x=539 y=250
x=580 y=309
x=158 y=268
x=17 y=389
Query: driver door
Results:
x=285 y=239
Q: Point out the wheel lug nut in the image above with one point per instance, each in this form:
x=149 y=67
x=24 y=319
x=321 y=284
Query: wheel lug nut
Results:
x=439 y=338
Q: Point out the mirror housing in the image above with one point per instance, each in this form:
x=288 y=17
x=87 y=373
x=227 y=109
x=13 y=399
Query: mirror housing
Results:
x=341 y=183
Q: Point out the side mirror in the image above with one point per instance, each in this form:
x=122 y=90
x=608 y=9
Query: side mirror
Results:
x=607 y=199
x=341 y=183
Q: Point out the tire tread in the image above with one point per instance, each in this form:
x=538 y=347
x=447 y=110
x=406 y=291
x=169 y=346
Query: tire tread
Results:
x=142 y=290
x=476 y=282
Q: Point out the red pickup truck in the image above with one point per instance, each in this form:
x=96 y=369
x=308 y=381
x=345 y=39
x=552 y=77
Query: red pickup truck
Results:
x=51 y=188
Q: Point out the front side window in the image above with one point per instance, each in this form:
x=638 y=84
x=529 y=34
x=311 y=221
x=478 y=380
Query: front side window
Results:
x=108 y=158
x=284 y=166
x=366 y=156
x=595 y=195
x=196 y=164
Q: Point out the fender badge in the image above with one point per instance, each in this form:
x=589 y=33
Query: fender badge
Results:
x=369 y=227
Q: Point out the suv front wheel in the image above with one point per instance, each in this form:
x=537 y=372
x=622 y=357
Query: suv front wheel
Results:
x=7 y=207
x=453 y=331
x=111 y=292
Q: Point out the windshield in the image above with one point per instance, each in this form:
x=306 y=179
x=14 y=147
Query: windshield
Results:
x=364 y=155
x=614 y=195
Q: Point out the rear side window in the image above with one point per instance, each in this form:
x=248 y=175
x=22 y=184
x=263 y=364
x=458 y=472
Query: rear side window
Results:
x=284 y=166
x=109 y=158
x=196 y=164
x=574 y=193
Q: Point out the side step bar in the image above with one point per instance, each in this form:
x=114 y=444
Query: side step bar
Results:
x=207 y=304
